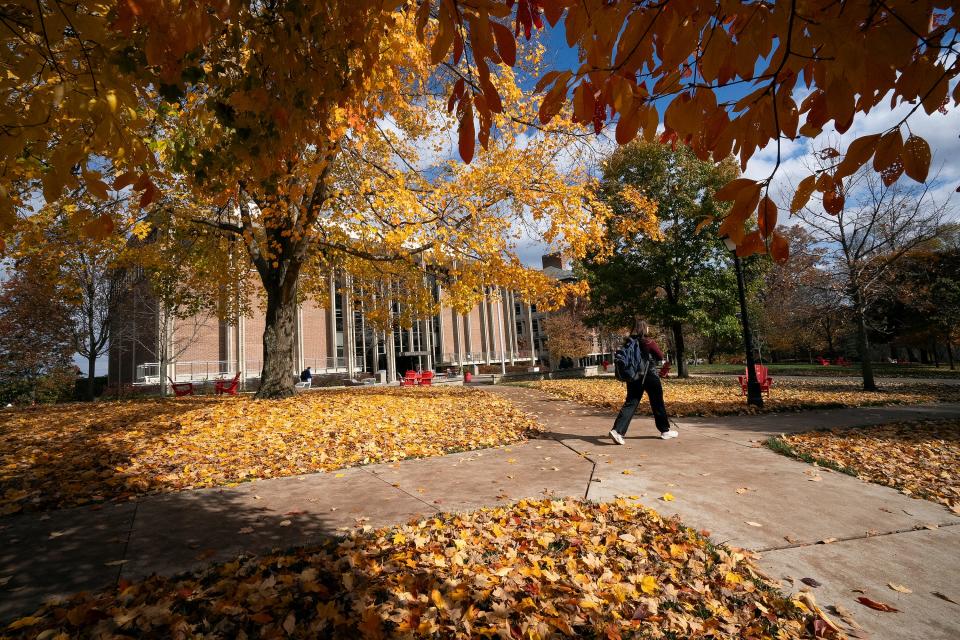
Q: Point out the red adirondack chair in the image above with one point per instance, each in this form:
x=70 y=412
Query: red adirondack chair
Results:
x=227 y=386
x=823 y=361
x=410 y=379
x=181 y=388
x=841 y=362
x=426 y=379
x=763 y=377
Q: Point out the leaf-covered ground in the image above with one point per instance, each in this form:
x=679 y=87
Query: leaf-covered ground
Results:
x=68 y=455
x=535 y=569
x=714 y=397
x=920 y=458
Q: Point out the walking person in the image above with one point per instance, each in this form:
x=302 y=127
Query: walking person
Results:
x=635 y=365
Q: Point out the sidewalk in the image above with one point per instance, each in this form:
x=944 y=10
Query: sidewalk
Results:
x=880 y=533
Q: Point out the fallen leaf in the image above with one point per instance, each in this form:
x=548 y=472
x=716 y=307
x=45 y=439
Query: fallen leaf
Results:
x=285 y=523
x=828 y=541
x=944 y=597
x=753 y=524
x=667 y=497
x=899 y=587
x=743 y=490
x=810 y=581
x=873 y=604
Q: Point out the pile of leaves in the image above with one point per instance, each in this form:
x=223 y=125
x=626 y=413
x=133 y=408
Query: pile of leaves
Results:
x=535 y=569
x=74 y=454
x=919 y=458
x=715 y=397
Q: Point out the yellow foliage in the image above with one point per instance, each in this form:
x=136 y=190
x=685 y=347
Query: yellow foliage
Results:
x=66 y=455
x=411 y=579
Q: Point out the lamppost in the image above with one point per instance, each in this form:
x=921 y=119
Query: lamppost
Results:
x=754 y=395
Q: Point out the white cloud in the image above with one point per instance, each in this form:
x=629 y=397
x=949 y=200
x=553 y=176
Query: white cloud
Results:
x=938 y=129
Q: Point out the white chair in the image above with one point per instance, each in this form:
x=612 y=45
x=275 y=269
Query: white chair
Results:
x=302 y=386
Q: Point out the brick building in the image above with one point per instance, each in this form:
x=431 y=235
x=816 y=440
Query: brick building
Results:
x=501 y=329
x=330 y=340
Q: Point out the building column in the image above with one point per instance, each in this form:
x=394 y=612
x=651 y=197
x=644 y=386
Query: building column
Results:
x=391 y=356
x=298 y=339
x=484 y=342
x=349 y=348
x=426 y=341
x=511 y=325
x=457 y=329
x=491 y=330
x=441 y=345
x=241 y=350
x=468 y=337
x=533 y=343
x=332 y=324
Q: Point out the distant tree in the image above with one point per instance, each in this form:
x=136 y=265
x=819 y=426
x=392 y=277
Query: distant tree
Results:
x=568 y=336
x=925 y=308
x=875 y=226
x=799 y=305
x=668 y=274
x=36 y=341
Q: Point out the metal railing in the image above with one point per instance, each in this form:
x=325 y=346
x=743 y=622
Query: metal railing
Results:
x=194 y=371
x=479 y=357
x=203 y=370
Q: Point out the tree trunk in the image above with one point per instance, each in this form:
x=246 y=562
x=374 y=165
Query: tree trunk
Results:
x=933 y=352
x=91 y=356
x=863 y=350
x=277 y=377
x=91 y=373
x=950 y=355
x=163 y=356
x=678 y=345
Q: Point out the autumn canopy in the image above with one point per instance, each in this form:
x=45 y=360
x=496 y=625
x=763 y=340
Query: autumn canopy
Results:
x=300 y=129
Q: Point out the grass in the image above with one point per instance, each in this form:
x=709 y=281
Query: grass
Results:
x=781 y=446
x=833 y=371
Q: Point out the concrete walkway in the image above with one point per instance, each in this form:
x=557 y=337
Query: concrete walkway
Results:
x=721 y=478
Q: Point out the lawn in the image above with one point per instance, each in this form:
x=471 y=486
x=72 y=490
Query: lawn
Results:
x=833 y=371
x=534 y=569
x=75 y=454
x=720 y=396
x=919 y=458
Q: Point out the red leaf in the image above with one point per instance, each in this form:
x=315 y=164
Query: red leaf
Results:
x=467 y=131
x=767 y=216
x=506 y=45
x=873 y=604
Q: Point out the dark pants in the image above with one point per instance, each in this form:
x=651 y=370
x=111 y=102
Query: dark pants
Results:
x=650 y=384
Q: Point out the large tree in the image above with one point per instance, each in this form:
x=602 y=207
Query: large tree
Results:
x=669 y=272
x=364 y=188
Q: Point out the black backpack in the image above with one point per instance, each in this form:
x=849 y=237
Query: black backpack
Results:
x=631 y=362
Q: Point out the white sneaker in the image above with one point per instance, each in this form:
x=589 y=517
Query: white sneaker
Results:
x=666 y=435
x=616 y=436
